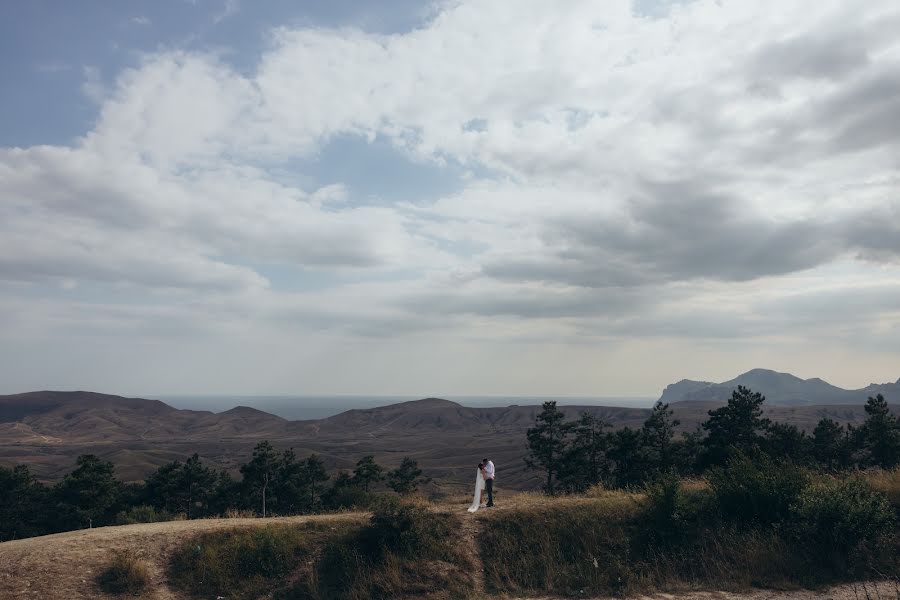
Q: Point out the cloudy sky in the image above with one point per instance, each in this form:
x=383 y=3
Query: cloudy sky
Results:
x=467 y=197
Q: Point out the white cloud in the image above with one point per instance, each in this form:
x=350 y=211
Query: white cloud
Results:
x=640 y=170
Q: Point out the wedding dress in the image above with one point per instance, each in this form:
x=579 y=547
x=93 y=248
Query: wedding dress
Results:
x=479 y=487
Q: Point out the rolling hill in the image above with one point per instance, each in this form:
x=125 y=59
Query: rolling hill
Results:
x=48 y=429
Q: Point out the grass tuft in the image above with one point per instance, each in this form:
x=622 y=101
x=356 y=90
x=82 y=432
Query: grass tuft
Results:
x=125 y=574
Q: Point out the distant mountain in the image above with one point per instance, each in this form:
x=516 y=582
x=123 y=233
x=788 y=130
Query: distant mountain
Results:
x=781 y=389
x=47 y=430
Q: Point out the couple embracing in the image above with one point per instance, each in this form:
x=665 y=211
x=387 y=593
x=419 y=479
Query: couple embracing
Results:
x=484 y=481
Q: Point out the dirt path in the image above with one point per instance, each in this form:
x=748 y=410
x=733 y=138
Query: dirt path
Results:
x=470 y=529
x=65 y=565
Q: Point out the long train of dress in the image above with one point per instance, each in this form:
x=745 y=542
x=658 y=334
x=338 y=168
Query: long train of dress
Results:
x=479 y=487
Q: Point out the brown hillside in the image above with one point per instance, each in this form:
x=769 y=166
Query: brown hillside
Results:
x=47 y=430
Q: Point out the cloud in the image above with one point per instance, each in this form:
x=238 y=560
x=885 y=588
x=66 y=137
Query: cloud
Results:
x=141 y=20
x=625 y=174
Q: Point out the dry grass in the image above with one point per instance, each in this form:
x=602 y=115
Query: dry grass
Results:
x=125 y=574
x=887 y=482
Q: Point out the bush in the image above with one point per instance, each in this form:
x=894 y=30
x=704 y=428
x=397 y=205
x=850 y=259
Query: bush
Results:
x=571 y=547
x=125 y=574
x=144 y=514
x=241 y=563
x=759 y=492
x=842 y=521
x=406 y=529
x=666 y=509
x=406 y=551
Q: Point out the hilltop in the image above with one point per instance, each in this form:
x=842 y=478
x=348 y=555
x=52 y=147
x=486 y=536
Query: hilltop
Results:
x=781 y=389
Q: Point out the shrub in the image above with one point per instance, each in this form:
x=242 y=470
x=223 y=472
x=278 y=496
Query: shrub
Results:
x=144 y=514
x=240 y=563
x=406 y=551
x=756 y=492
x=406 y=529
x=125 y=574
x=562 y=548
x=842 y=521
x=666 y=509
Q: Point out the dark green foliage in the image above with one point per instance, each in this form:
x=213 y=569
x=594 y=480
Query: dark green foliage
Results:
x=367 y=472
x=22 y=504
x=406 y=478
x=185 y=488
x=345 y=494
x=241 y=563
x=879 y=436
x=657 y=434
x=756 y=492
x=142 y=514
x=787 y=442
x=626 y=453
x=737 y=426
x=840 y=521
x=586 y=548
x=666 y=509
x=547 y=444
x=259 y=474
x=406 y=551
x=830 y=445
x=87 y=495
x=125 y=574
x=584 y=462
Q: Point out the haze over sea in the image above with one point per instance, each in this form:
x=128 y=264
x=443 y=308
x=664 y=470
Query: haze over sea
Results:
x=317 y=407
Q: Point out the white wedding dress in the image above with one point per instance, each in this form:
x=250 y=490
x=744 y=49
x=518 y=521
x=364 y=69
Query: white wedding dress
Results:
x=479 y=487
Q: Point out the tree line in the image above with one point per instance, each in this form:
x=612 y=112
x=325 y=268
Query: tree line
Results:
x=271 y=482
x=575 y=455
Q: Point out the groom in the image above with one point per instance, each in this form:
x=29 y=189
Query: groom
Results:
x=488 y=472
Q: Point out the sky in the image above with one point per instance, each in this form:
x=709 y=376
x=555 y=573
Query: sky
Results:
x=528 y=198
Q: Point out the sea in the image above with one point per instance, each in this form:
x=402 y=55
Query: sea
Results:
x=318 y=407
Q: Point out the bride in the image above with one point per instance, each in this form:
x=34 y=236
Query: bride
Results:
x=479 y=489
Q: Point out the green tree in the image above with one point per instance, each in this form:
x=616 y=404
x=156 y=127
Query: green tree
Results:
x=739 y=425
x=829 y=444
x=367 y=472
x=182 y=487
x=584 y=463
x=788 y=442
x=88 y=493
x=314 y=477
x=626 y=453
x=656 y=435
x=260 y=473
x=880 y=435
x=22 y=504
x=547 y=443
x=406 y=478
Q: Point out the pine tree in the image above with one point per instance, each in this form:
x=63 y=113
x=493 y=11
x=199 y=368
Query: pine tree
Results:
x=656 y=434
x=880 y=434
x=547 y=443
x=90 y=491
x=739 y=425
x=829 y=444
x=314 y=476
x=260 y=473
x=406 y=478
x=585 y=463
x=367 y=472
